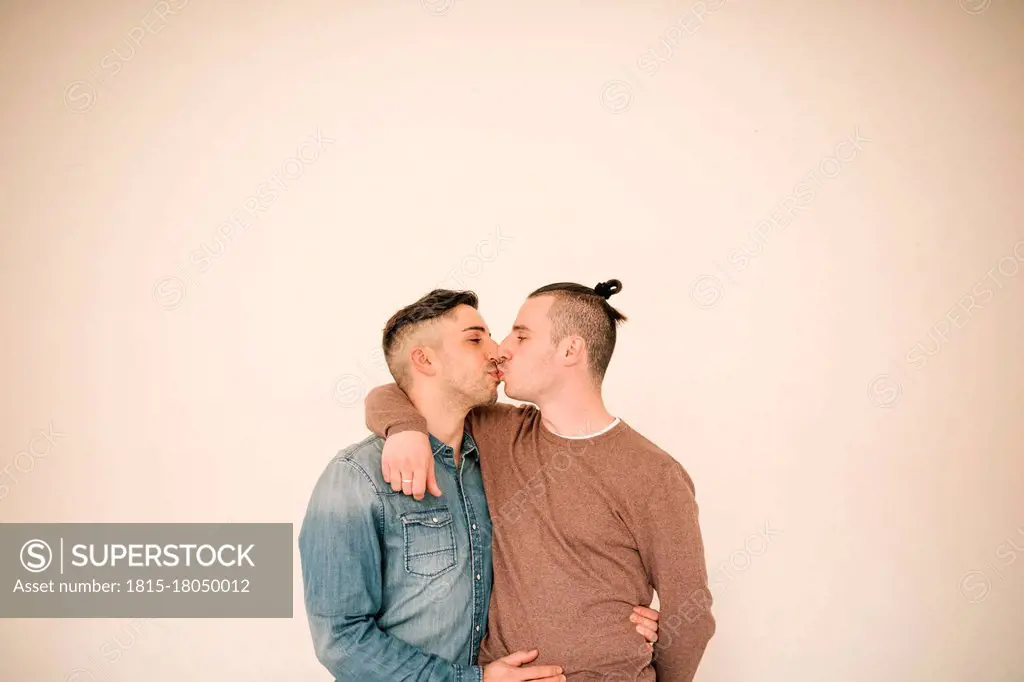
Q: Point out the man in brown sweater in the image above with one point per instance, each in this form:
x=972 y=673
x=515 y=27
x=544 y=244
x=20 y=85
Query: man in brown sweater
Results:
x=588 y=516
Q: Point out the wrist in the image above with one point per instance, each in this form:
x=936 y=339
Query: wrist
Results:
x=417 y=425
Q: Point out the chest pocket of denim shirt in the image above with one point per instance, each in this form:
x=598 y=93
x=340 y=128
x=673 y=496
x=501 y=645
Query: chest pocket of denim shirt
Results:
x=429 y=542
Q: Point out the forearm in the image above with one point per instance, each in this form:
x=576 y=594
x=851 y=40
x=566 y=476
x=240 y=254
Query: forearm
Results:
x=356 y=649
x=683 y=636
x=389 y=411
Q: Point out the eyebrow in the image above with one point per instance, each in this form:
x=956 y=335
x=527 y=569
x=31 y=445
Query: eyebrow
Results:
x=475 y=329
x=520 y=328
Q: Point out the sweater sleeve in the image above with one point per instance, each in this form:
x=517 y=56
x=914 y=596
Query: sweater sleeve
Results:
x=667 y=530
x=389 y=411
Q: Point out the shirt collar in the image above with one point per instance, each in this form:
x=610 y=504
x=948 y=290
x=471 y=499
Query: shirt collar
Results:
x=445 y=452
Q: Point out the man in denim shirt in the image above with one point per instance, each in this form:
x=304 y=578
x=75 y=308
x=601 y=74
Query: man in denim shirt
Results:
x=395 y=588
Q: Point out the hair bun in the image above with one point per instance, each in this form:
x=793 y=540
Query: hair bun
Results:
x=608 y=289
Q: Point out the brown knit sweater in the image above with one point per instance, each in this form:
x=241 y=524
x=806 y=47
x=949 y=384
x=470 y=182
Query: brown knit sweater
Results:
x=582 y=531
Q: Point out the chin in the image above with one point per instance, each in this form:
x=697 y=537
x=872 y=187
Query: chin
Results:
x=489 y=397
x=512 y=393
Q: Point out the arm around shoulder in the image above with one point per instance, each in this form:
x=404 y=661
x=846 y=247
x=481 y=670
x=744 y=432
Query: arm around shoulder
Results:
x=389 y=411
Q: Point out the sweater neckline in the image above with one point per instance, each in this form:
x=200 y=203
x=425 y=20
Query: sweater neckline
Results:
x=607 y=433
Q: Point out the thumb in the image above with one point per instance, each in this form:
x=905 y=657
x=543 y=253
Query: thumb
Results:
x=520 y=657
x=432 y=486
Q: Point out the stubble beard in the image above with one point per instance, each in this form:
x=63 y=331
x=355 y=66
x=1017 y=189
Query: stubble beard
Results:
x=466 y=398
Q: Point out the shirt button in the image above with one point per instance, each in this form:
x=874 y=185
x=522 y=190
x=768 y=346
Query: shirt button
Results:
x=478 y=628
x=474 y=526
x=435 y=519
x=478 y=576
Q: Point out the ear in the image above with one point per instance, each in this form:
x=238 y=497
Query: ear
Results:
x=572 y=351
x=422 y=360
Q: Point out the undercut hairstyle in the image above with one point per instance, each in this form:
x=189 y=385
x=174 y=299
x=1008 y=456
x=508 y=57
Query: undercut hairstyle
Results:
x=583 y=311
x=407 y=323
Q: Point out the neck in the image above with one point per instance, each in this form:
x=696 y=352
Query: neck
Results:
x=574 y=410
x=446 y=419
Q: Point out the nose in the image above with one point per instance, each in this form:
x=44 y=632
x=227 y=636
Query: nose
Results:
x=492 y=353
x=504 y=354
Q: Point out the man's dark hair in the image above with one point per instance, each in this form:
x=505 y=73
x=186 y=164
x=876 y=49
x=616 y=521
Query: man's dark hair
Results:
x=585 y=312
x=403 y=324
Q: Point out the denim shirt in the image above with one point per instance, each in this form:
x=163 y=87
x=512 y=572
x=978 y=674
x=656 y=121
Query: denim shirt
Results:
x=397 y=589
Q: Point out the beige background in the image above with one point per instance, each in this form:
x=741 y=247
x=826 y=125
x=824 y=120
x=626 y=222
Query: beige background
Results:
x=792 y=389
